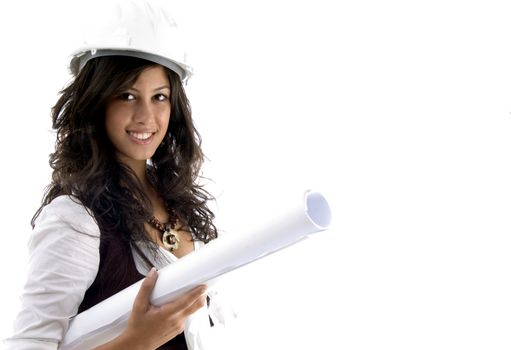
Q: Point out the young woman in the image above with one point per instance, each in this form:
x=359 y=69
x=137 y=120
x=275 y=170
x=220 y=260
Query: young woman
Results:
x=124 y=196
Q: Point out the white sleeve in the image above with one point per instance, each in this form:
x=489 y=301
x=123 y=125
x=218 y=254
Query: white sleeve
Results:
x=63 y=263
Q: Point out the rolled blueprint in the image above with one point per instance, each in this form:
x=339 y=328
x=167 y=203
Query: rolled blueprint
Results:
x=108 y=319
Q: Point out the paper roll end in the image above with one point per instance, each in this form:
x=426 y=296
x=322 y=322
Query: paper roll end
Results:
x=317 y=209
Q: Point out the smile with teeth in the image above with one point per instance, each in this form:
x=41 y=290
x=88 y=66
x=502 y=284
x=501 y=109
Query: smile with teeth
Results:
x=142 y=136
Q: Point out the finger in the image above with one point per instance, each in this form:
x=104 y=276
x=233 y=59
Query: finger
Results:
x=192 y=296
x=186 y=300
x=196 y=305
x=142 y=302
x=183 y=311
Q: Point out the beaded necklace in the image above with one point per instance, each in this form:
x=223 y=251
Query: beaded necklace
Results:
x=168 y=231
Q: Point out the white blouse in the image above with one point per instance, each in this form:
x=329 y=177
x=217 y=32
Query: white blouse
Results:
x=63 y=263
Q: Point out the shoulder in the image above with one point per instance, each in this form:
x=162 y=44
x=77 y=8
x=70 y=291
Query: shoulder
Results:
x=68 y=211
x=63 y=263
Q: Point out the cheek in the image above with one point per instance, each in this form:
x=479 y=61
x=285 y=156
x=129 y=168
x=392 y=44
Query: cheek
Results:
x=110 y=125
x=114 y=122
x=164 y=118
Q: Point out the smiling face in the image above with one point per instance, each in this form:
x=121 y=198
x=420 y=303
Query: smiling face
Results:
x=136 y=119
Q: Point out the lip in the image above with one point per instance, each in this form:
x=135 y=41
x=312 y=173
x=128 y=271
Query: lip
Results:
x=141 y=141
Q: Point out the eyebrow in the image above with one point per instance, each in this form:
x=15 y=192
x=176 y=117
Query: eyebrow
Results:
x=162 y=88
x=155 y=89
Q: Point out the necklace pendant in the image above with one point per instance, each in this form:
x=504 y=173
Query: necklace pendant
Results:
x=170 y=240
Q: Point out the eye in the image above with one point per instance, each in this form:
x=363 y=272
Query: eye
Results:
x=126 y=96
x=160 y=97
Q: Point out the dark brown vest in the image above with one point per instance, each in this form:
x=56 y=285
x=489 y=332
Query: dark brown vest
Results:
x=117 y=271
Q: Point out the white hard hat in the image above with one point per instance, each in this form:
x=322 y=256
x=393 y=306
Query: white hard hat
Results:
x=133 y=28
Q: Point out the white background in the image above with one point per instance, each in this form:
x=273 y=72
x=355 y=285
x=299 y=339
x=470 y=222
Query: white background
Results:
x=399 y=111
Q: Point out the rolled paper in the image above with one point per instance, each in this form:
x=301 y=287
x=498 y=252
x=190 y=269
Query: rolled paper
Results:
x=108 y=319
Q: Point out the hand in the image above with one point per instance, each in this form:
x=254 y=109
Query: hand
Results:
x=151 y=326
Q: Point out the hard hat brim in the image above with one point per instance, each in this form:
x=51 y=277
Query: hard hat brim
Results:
x=82 y=56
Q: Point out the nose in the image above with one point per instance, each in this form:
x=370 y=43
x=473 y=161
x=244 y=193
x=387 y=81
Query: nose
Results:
x=143 y=112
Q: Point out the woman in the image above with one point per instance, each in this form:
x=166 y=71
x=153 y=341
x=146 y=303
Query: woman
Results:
x=124 y=197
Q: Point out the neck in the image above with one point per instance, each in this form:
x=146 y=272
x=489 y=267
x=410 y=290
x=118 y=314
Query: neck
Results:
x=140 y=171
x=139 y=168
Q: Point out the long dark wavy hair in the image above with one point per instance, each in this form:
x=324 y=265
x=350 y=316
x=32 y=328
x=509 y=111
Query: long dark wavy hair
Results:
x=85 y=167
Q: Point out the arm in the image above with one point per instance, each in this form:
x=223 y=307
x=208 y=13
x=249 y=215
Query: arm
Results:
x=63 y=262
x=152 y=326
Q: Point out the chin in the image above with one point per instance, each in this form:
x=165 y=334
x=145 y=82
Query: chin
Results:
x=142 y=157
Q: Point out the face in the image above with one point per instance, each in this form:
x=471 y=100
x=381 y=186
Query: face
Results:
x=137 y=119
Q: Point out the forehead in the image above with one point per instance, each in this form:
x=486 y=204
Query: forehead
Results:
x=154 y=76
